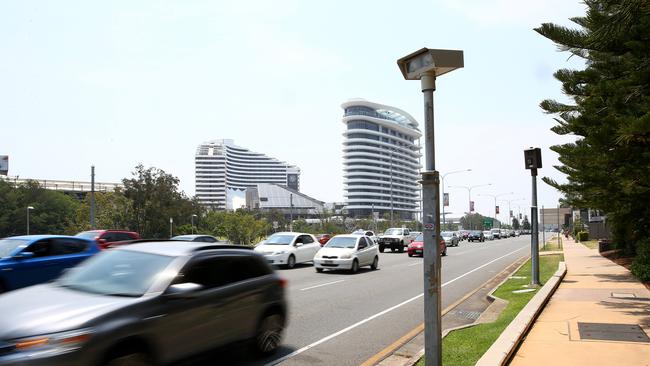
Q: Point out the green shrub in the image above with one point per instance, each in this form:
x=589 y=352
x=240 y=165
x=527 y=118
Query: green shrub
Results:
x=641 y=265
x=583 y=236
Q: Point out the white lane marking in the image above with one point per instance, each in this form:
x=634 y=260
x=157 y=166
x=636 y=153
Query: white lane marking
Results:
x=414 y=264
x=321 y=285
x=323 y=340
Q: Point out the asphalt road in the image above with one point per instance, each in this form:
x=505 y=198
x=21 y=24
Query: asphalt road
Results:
x=338 y=318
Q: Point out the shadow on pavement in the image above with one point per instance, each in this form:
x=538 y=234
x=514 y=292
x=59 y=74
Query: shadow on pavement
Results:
x=237 y=354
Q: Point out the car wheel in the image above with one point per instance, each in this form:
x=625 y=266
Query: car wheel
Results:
x=392 y=250
x=291 y=261
x=319 y=270
x=2 y=287
x=269 y=334
x=355 y=266
x=131 y=359
x=381 y=249
x=375 y=263
x=444 y=252
x=410 y=254
x=401 y=248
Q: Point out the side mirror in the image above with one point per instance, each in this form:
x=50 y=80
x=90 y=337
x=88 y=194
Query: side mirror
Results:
x=182 y=290
x=24 y=255
x=298 y=245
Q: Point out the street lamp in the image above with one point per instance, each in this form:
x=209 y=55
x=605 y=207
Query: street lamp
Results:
x=425 y=65
x=444 y=221
x=192 y=220
x=171 y=227
x=28 y=209
x=495 y=196
x=469 y=192
x=509 y=208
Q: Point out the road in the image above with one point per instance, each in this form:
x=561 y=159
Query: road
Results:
x=343 y=319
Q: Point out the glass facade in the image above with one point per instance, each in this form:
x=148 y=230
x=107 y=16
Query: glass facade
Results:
x=381 y=160
x=221 y=165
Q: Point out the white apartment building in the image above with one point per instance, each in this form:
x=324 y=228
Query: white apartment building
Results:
x=221 y=167
x=381 y=160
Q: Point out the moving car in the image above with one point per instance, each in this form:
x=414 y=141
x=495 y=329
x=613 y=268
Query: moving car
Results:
x=347 y=252
x=476 y=235
x=199 y=238
x=417 y=247
x=496 y=233
x=323 y=238
x=450 y=238
x=368 y=233
x=488 y=235
x=288 y=248
x=414 y=235
x=33 y=259
x=109 y=238
x=146 y=304
x=396 y=239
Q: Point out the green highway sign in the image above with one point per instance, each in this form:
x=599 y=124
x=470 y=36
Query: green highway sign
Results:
x=487 y=223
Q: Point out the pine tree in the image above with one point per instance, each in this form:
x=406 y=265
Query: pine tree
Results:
x=608 y=165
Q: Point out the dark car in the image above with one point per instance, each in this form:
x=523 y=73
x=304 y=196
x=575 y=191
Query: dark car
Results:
x=476 y=235
x=199 y=238
x=33 y=259
x=109 y=238
x=145 y=304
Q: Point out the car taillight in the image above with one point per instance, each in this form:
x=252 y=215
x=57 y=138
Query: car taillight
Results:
x=283 y=282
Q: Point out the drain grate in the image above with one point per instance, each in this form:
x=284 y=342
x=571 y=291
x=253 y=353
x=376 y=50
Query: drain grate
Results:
x=472 y=315
x=612 y=332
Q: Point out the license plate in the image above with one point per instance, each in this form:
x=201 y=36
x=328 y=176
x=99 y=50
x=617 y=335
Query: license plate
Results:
x=328 y=262
x=418 y=251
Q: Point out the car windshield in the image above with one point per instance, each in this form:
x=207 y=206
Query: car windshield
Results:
x=117 y=273
x=487 y=232
x=279 y=240
x=476 y=233
x=7 y=246
x=88 y=234
x=446 y=233
x=341 y=242
x=393 y=232
x=496 y=230
x=183 y=237
x=419 y=238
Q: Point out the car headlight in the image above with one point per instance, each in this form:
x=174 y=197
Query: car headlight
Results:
x=346 y=256
x=279 y=252
x=61 y=341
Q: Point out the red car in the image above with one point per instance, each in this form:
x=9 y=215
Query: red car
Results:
x=323 y=239
x=106 y=238
x=417 y=247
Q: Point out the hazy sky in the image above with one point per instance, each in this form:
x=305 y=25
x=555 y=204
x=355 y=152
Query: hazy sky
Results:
x=117 y=83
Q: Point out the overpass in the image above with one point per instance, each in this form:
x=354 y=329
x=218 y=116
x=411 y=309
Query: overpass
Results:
x=65 y=186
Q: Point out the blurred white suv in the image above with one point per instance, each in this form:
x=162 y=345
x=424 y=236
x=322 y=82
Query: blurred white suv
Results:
x=347 y=252
x=288 y=248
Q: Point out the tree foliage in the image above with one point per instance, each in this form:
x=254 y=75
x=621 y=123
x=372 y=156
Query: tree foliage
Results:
x=609 y=114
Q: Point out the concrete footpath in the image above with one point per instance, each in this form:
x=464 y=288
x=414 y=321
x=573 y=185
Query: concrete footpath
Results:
x=600 y=315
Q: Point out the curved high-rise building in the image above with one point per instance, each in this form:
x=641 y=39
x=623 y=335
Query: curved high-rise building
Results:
x=381 y=165
x=223 y=168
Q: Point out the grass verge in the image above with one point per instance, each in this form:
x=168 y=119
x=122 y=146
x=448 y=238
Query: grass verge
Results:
x=591 y=244
x=552 y=245
x=465 y=346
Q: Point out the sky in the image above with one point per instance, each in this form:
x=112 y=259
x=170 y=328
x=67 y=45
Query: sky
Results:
x=114 y=84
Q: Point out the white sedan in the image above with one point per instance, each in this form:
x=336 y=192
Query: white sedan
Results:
x=288 y=248
x=488 y=235
x=347 y=252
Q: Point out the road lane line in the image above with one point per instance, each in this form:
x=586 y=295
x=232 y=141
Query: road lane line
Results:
x=414 y=264
x=321 y=285
x=364 y=321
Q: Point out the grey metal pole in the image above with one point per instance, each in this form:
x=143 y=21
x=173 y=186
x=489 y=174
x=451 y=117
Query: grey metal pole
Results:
x=27 y=220
x=543 y=229
x=171 y=227
x=92 y=197
x=431 y=220
x=290 y=211
x=442 y=195
x=391 y=186
x=534 y=240
x=192 y=220
x=558 y=227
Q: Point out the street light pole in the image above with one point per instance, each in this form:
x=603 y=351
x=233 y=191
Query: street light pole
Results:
x=192 y=219
x=533 y=161
x=425 y=65
x=442 y=184
x=171 y=227
x=92 y=197
x=291 y=212
x=28 y=209
x=469 y=193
